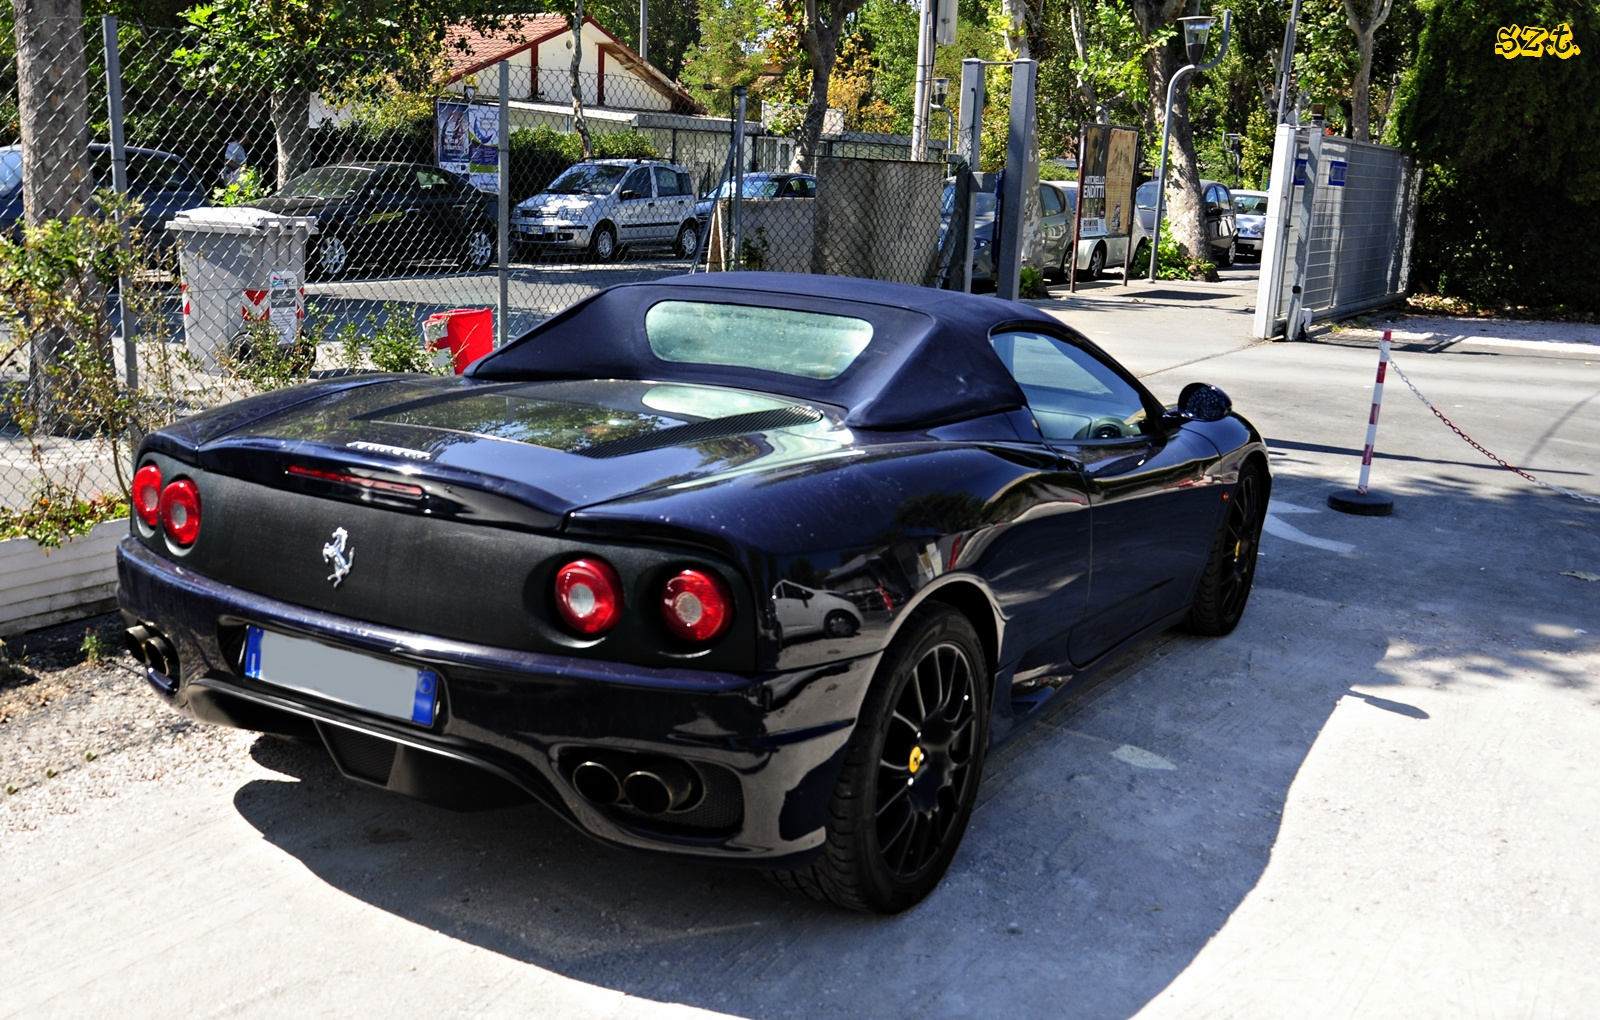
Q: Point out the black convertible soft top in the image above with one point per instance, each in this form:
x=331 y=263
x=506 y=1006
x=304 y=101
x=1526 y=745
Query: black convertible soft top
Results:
x=929 y=360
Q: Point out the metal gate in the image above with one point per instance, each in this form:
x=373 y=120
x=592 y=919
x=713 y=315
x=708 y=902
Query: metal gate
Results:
x=1340 y=222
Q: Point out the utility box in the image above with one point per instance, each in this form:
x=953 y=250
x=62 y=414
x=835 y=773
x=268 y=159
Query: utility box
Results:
x=240 y=266
x=465 y=334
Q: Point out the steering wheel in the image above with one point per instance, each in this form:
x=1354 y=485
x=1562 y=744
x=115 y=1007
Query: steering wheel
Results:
x=1104 y=428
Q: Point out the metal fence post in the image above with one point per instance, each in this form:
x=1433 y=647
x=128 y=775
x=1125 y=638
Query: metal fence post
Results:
x=504 y=205
x=1302 y=250
x=1008 y=257
x=119 y=183
x=738 y=181
x=1275 y=233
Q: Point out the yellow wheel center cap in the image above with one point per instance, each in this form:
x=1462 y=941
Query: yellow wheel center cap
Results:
x=916 y=760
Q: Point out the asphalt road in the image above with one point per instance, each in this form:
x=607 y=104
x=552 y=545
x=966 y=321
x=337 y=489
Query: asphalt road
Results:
x=1377 y=798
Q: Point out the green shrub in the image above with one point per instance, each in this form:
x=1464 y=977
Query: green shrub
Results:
x=1173 y=264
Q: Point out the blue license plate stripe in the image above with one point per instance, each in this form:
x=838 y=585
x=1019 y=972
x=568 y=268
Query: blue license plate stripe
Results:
x=427 y=694
x=252 y=653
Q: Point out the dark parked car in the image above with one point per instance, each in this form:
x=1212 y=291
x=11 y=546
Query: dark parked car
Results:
x=564 y=575
x=163 y=183
x=388 y=214
x=758 y=185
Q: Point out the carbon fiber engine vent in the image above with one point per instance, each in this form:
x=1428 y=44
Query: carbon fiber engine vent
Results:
x=359 y=755
x=700 y=431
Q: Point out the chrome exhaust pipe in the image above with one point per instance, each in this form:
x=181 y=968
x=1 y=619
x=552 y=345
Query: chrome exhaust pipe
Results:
x=660 y=787
x=135 y=638
x=596 y=783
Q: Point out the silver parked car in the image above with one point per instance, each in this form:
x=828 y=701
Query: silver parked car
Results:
x=1250 y=209
x=1221 y=226
x=604 y=205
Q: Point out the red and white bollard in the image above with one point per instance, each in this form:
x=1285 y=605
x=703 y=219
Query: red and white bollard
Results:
x=1361 y=500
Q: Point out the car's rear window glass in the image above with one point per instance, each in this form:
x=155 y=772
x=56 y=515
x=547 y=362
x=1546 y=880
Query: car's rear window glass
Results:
x=808 y=344
x=1250 y=205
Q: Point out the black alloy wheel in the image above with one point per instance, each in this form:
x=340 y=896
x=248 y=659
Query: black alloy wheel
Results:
x=1230 y=571
x=911 y=772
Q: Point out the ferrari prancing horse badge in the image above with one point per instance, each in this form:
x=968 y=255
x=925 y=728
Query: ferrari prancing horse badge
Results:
x=334 y=552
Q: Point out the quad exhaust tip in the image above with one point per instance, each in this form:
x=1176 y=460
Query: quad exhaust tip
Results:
x=152 y=648
x=652 y=786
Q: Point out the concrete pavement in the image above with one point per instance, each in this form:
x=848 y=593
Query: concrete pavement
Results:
x=1377 y=798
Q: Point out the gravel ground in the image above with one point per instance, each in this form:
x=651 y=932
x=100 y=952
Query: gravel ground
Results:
x=72 y=730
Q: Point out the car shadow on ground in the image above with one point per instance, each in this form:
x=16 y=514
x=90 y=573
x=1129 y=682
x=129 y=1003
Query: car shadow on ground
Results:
x=1111 y=843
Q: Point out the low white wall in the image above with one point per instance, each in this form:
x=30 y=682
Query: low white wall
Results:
x=40 y=587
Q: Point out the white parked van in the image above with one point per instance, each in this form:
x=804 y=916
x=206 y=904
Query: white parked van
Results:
x=605 y=205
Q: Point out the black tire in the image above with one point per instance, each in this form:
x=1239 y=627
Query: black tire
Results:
x=603 y=246
x=1231 y=569
x=688 y=242
x=1231 y=254
x=893 y=828
x=1097 y=263
x=839 y=624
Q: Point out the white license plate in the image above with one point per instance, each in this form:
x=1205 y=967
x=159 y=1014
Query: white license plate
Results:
x=350 y=678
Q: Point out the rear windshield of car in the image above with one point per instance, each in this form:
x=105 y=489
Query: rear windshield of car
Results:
x=807 y=344
x=1146 y=197
x=982 y=200
x=1250 y=205
x=587 y=179
x=327 y=182
x=10 y=171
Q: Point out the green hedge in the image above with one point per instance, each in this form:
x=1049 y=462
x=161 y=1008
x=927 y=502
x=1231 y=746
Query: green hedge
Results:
x=1510 y=155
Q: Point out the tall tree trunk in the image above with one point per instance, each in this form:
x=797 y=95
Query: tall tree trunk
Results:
x=1365 y=24
x=821 y=44
x=578 y=123
x=1185 y=210
x=291 y=123
x=53 y=107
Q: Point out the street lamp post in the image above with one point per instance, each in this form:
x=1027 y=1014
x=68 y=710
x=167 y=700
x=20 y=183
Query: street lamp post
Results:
x=1195 y=32
x=941 y=94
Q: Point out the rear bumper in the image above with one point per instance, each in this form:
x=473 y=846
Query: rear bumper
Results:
x=766 y=750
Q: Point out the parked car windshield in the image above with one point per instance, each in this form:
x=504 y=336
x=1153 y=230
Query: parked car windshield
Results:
x=10 y=170
x=808 y=344
x=1250 y=205
x=327 y=182
x=983 y=200
x=587 y=179
x=1146 y=197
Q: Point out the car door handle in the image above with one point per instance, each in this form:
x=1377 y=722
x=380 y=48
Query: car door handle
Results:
x=413 y=210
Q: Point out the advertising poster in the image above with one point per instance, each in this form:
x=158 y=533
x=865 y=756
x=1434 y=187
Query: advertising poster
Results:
x=1122 y=156
x=468 y=142
x=1092 y=180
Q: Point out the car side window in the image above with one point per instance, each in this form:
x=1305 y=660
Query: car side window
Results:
x=431 y=182
x=1050 y=198
x=639 y=181
x=685 y=184
x=667 y=183
x=1072 y=394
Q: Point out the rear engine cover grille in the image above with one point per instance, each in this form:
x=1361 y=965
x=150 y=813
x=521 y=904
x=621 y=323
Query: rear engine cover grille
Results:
x=359 y=755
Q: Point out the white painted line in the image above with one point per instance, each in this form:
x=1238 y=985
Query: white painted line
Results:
x=1283 y=529
x=1278 y=506
x=1139 y=758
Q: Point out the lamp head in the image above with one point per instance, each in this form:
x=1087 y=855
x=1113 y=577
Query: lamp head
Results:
x=941 y=92
x=1195 y=32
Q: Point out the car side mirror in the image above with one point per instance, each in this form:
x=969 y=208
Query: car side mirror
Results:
x=1200 y=402
x=630 y=194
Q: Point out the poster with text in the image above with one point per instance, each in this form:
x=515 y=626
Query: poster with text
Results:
x=468 y=142
x=1122 y=157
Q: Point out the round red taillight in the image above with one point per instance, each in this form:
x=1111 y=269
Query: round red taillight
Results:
x=180 y=511
x=589 y=596
x=147 y=494
x=696 y=605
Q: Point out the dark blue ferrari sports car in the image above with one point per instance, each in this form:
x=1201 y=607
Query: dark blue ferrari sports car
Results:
x=747 y=567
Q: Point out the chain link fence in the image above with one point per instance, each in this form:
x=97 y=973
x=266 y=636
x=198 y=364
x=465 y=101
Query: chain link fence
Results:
x=183 y=230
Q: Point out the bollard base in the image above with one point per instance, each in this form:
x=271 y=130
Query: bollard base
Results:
x=1364 y=504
